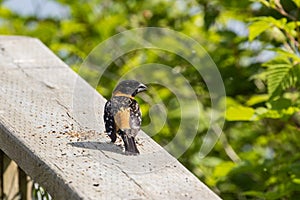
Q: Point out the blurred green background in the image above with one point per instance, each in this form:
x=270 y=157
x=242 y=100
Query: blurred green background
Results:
x=255 y=45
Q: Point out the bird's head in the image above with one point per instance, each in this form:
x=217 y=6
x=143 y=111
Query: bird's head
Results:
x=129 y=88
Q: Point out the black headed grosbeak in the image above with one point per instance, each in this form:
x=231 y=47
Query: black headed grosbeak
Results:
x=122 y=114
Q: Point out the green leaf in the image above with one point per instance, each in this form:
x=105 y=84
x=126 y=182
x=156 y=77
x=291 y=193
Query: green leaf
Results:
x=275 y=76
x=271 y=114
x=278 y=59
x=261 y=24
x=240 y=113
x=254 y=193
x=5 y=13
x=287 y=113
x=297 y=2
x=258 y=27
x=296 y=180
x=223 y=168
x=256 y=99
x=279 y=104
x=289 y=56
x=283 y=114
x=278 y=78
x=292 y=27
x=70 y=27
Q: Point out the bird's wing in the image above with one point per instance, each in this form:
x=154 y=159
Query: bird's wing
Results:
x=135 y=117
x=110 y=126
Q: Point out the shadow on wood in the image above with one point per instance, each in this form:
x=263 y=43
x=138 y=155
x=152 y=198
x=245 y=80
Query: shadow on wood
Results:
x=98 y=146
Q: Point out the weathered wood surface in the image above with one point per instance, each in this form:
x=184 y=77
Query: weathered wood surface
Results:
x=51 y=125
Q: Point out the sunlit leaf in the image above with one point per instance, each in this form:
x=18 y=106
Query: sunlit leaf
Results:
x=256 y=99
x=223 y=169
x=5 y=13
x=240 y=113
x=297 y=2
x=258 y=27
x=70 y=27
x=261 y=24
x=296 y=180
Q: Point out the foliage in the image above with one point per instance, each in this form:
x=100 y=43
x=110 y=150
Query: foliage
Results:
x=257 y=157
x=39 y=193
x=270 y=161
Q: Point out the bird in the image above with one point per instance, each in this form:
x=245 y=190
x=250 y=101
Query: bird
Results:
x=122 y=114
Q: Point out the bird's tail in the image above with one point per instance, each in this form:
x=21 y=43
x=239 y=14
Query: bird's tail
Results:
x=130 y=145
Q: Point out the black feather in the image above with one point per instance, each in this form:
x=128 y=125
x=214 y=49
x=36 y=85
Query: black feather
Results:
x=129 y=143
x=110 y=126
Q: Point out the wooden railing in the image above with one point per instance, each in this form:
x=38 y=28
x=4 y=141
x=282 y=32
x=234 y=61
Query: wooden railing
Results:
x=61 y=144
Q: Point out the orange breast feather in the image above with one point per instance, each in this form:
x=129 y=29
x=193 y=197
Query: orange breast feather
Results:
x=122 y=118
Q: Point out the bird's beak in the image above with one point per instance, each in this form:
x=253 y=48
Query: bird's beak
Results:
x=142 y=88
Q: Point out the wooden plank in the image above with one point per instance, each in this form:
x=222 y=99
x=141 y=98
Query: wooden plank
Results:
x=10 y=179
x=51 y=125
